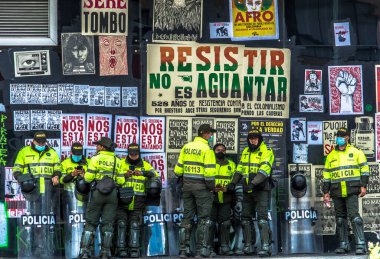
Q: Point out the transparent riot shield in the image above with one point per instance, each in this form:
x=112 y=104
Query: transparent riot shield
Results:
x=39 y=233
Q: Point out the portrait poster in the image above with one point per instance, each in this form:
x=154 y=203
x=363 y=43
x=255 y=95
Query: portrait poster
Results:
x=97 y=95
x=38 y=119
x=78 y=55
x=363 y=135
x=53 y=120
x=172 y=159
x=113 y=56
x=81 y=94
x=298 y=129
x=14 y=199
x=126 y=131
x=377 y=82
x=345 y=90
x=33 y=93
x=314 y=133
x=254 y=20
x=326 y=223
x=317 y=179
x=377 y=136
x=313 y=81
x=66 y=93
x=329 y=134
x=197 y=122
x=49 y=94
x=370 y=208
x=152 y=134
x=342 y=34
x=112 y=95
x=311 y=103
x=178 y=133
x=373 y=185
x=21 y=120
x=195 y=84
x=300 y=152
x=31 y=63
x=265 y=87
x=273 y=132
x=98 y=126
x=17 y=94
x=73 y=129
x=175 y=21
x=158 y=161
x=220 y=30
x=129 y=97
x=227 y=133
x=95 y=19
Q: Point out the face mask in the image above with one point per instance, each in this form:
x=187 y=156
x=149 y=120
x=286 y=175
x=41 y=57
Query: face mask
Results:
x=40 y=148
x=76 y=159
x=220 y=155
x=340 y=141
x=211 y=139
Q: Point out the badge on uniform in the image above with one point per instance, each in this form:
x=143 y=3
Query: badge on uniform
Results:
x=351 y=155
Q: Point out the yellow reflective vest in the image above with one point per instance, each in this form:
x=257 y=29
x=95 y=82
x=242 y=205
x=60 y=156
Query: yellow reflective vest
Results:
x=196 y=163
x=224 y=174
x=68 y=166
x=102 y=165
x=345 y=172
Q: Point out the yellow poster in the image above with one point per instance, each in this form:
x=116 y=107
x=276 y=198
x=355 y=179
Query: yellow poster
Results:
x=254 y=19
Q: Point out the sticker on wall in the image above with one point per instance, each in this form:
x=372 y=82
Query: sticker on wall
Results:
x=329 y=134
x=300 y=153
x=311 y=103
x=112 y=95
x=346 y=90
x=31 y=63
x=313 y=81
x=97 y=95
x=314 y=133
x=113 y=56
x=363 y=135
x=129 y=97
x=298 y=129
x=220 y=30
x=342 y=34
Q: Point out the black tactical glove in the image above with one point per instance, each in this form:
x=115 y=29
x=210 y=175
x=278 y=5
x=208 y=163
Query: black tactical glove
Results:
x=230 y=187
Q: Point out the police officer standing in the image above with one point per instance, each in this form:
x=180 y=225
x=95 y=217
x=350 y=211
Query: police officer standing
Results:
x=221 y=207
x=196 y=164
x=137 y=172
x=37 y=169
x=73 y=169
x=255 y=167
x=103 y=171
x=345 y=177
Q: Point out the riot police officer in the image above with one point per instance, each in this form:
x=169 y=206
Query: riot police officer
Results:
x=103 y=171
x=137 y=171
x=255 y=167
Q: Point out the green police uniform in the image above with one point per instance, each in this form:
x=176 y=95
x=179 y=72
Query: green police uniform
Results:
x=196 y=164
x=346 y=171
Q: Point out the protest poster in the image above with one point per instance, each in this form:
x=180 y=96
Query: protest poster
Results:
x=220 y=30
x=178 y=133
x=377 y=136
x=33 y=93
x=21 y=120
x=38 y=119
x=345 y=90
x=73 y=130
x=97 y=95
x=297 y=129
x=314 y=133
x=104 y=17
x=377 y=82
x=14 y=199
x=113 y=56
x=126 y=131
x=182 y=82
x=326 y=223
x=158 y=161
x=53 y=119
x=227 y=133
x=66 y=94
x=78 y=57
x=342 y=34
x=329 y=134
x=266 y=83
x=175 y=21
x=300 y=152
x=17 y=94
x=31 y=63
x=273 y=132
x=254 y=20
x=81 y=94
x=317 y=179
x=311 y=103
x=112 y=95
x=313 y=81
x=152 y=134
x=98 y=126
x=49 y=94
x=370 y=211
x=129 y=97
x=363 y=135
x=373 y=185
x=172 y=159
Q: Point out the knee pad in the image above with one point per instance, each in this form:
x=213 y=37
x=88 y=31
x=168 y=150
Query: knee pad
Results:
x=341 y=222
x=135 y=225
x=358 y=221
x=121 y=223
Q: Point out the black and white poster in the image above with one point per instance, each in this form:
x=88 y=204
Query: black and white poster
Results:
x=227 y=133
x=66 y=94
x=49 y=94
x=77 y=54
x=32 y=63
x=370 y=205
x=129 y=97
x=33 y=93
x=172 y=159
x=81 y=94
x=300 y=151
x=38 y=119
x=326 y=218
x=17 y=94
x=373 y=185
x=311 y=103
x=178 y=133
x=298 y=129
x=112 y=95
x=21 y=120
x=53 y=120
x=317 y=179
x=97 y=95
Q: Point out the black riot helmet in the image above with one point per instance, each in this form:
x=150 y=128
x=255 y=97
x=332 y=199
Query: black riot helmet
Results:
x=82 y=189
x=298 y=184
x=28 y=186
x=153 y=187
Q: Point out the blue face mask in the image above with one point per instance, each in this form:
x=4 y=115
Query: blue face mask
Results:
x=211 y=139
x=40 y=148
x=76 y=159
x=340 y=141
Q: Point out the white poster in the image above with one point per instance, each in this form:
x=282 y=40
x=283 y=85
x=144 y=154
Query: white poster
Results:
x=314 y=133
x=298 y=129
x=342 y=35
